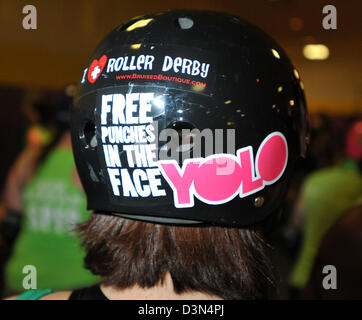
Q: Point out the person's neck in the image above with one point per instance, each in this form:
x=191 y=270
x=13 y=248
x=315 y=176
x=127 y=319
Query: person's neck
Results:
x=164 y=291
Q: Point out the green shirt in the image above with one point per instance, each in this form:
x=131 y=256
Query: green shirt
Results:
x=53 y=205
x=34 y=294
x=326 y=194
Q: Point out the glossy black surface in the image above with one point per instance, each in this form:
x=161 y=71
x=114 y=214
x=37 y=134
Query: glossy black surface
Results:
x=251 y=87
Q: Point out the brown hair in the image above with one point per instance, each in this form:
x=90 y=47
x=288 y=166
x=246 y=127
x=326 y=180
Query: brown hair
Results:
x=227 y=262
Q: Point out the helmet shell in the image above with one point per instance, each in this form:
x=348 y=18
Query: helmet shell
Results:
x=211 y=71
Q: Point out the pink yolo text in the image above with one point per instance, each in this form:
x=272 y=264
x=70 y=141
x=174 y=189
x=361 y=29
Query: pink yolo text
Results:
x=219 y=178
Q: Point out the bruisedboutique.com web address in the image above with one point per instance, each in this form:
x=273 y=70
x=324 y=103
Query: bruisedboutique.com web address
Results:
x=161 y=77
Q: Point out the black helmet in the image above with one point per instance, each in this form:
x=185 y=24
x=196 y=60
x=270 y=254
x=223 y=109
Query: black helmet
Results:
x=188 y=69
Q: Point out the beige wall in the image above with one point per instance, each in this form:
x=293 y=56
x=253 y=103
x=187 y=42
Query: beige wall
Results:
x=68 y=31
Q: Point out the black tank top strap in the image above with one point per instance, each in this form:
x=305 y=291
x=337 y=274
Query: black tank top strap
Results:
x=89 y=293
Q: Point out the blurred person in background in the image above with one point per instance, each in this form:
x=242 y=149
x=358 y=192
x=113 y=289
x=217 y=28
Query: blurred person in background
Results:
x=341 y=249
x=44 y=201
x=320 y=154
x=327 y=195
x=39 y=135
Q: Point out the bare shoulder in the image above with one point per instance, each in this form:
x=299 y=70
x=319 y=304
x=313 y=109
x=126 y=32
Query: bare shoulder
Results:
x=61 y=295
x=11 y=298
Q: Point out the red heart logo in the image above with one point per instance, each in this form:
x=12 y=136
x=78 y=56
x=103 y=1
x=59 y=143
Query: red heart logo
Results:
x=96 y=68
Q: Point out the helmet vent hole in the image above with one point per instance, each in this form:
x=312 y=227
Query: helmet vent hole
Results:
x=185 y=23
x=90 y=135
x=186 y=137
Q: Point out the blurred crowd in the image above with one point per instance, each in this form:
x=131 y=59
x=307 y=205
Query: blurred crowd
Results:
x=321 y=224
x=42 y=201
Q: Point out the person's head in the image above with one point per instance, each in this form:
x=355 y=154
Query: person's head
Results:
x=185 y=130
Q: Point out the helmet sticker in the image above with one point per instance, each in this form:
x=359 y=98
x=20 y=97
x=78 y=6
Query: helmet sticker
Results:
x=219 y=178
x=182 y=68
x=129 y=151
x=96 y=68
x=126 y=128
